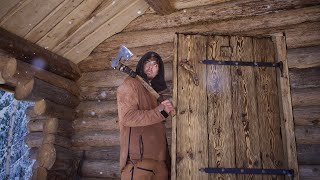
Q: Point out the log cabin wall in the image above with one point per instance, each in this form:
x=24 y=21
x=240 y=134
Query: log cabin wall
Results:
x=96 y=128
x=49 y=120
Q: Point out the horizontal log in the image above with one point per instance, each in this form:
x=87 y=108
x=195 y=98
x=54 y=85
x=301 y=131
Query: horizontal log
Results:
x=213 y=13
x=7 y=88
x=57 y=140
x=308 y=154
x=305 y=78
x=102 y=60
x=305 y=97
x=96 y=109
x=58 y=126
x=89 y=93
x=307 y=134
x=97 y=168
x=270 y=23
x=103 y=153
x=303 y=36
x=33 y=153
x=185 y=4
x=306 y=31
x=304 y=57
x=97 y=61
x=54 y=157
x=101 y=93
x=35 y=125
x=109 y=122
x=4 y=60
x=43 y=173
x=40 y=173
x=47 y=108
x=162 y=7
x=31 y=115
x=103 y=178
x=36 y=89
x=16 y=70
x=31 y=53
x=87 y=140
x=309 y=172
x=2 y=81
x=308 y=115
x=34 y=139
x=114 y=77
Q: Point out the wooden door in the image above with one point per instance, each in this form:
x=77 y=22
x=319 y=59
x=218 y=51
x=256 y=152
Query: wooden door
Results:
x=230 y=117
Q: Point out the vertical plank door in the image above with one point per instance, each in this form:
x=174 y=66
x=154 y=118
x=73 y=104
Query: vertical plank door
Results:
x=231 y=117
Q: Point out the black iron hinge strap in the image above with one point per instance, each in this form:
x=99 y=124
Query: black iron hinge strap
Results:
x=242 y=63
x=288 y=172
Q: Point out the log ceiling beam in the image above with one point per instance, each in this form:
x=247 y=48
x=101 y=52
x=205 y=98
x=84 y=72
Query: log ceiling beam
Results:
x=162 y=7
x=31 y=53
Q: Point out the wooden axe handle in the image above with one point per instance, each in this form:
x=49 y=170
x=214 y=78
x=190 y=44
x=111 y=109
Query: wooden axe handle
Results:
x=152 y=91
x=123 y=68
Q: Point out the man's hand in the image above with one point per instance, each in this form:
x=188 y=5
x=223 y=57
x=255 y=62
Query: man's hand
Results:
x=168 y=107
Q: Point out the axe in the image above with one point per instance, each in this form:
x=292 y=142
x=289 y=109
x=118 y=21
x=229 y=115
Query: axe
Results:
x=126 y=54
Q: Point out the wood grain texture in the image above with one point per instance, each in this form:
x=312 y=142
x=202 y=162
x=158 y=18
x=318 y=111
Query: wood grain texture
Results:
x=271 y=143
x=16 y=70
x=87 y=140
x=96 y=109
x=101 y=60
x=58 y=126
x=34 y=139
x=162 y=7
x=287 y=123
x=305 y=78
x=307 y=115
x=82 y=50
x=50 y=109
x=213 y=13
x=305 y=97
x=36 y=89
x=112 y=78
x=309 y=172
x=307 y=134
x=35 y=125
x=109 y=122
x=191 y=154
x=308 y=154
x=51 y=20
x=28 y=52
x=69 y=24
x=268 y=23
x=103 y=153
x=6 y=6
x=304 y=57
x=244 y=108
x=220 y=123
x=36 y=10
x=97 y=168
x=100 y=15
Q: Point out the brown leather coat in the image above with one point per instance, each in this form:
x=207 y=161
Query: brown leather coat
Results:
x=139 y=113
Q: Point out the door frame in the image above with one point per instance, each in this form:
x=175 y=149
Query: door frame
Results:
x=285 y=104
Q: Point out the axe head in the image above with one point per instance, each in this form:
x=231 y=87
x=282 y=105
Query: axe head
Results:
x=124 y=53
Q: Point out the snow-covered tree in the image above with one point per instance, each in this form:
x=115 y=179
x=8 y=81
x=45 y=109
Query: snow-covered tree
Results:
x=14 y=161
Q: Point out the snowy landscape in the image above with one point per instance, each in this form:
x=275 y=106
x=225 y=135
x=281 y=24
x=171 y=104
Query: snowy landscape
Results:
x=14 y=153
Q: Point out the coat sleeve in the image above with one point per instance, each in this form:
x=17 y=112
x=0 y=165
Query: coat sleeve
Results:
x=129 y=114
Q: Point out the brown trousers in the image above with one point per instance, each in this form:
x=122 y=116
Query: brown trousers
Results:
x=145 y=170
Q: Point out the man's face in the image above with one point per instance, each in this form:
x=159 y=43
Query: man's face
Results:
x=151 y=69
